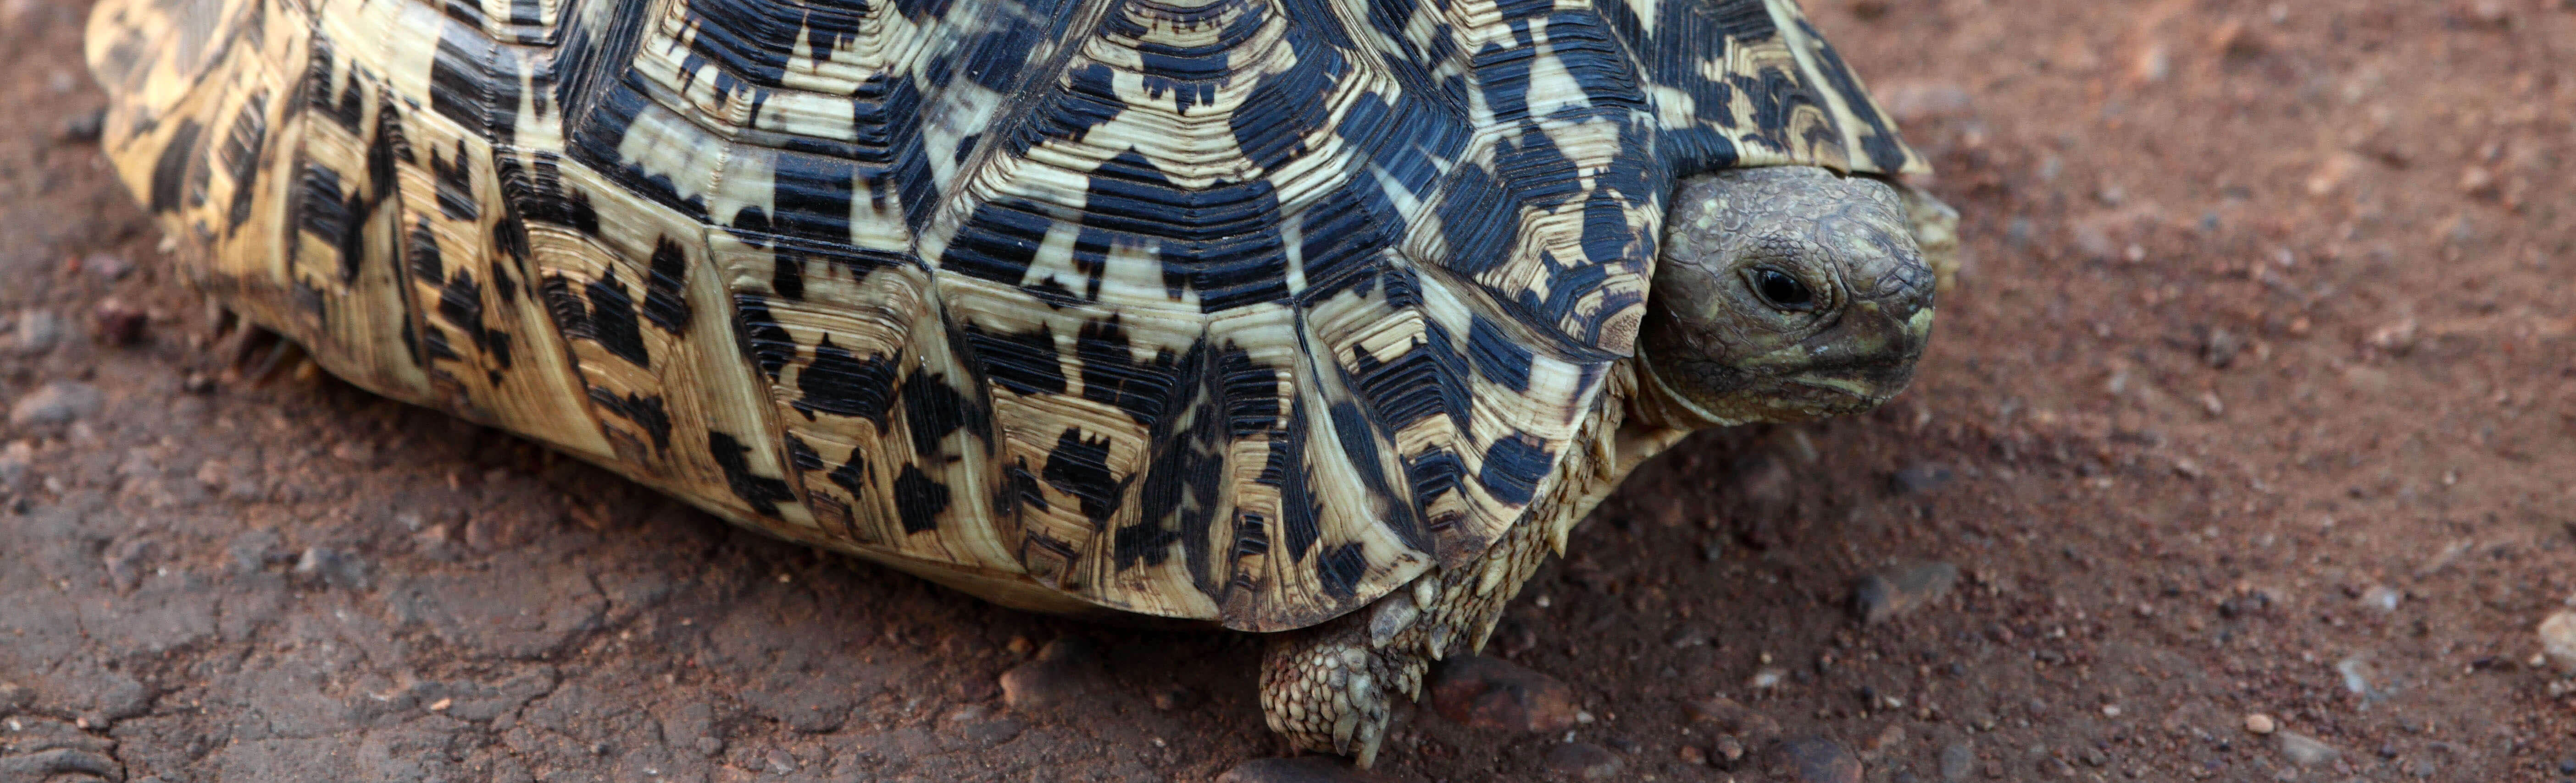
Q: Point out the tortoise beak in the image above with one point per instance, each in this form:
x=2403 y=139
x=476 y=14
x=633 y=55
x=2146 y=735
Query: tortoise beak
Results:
x=1862 y=361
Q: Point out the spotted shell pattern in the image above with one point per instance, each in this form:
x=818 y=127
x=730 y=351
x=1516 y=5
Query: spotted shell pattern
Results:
x=1240 y=310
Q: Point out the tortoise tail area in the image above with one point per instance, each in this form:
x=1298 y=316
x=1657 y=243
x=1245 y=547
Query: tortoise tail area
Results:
x=302 y=191
x=401 y=212
x=211 y=124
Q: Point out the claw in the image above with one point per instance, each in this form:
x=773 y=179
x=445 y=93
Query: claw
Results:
x=1365 y=755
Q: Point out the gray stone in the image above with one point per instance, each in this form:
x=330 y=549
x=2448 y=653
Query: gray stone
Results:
x=342 y=570
x=36 y=332
x=1920 y=478
x=1584 y=761
x=1819 y=760
x=17 y=467
x=1886 y=595
x=1957 y=761
x=2382 y=598
x=2307 y=751
x=56 y=403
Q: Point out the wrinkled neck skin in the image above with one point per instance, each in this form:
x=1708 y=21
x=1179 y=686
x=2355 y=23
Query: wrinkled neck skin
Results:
x=1783 y=294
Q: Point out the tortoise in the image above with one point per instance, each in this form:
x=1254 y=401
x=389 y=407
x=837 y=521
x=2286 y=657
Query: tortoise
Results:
x=1324 y=319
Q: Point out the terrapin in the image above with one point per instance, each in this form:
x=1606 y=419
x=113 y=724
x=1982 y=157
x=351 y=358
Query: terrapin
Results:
x=1320 y=318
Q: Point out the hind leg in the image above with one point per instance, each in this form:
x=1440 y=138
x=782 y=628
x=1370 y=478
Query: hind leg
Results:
x=245 y=350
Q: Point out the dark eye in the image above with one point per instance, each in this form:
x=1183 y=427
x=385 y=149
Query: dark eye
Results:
x=1781 y=290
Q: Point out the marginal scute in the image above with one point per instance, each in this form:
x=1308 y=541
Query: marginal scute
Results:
x=1242 y=310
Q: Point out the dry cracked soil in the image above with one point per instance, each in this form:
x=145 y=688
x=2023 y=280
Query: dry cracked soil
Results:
x=2253 y=411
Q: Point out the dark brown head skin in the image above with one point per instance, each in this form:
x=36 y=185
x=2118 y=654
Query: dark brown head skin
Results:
x=1783 y=294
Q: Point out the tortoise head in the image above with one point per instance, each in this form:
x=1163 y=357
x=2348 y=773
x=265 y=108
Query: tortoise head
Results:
x=1783 y=294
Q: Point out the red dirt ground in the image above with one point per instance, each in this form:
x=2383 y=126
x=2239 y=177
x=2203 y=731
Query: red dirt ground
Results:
x=2266 y=323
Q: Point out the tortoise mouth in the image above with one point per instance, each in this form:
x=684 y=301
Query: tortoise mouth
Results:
x=1819 y=391
x=1837 y=391
x=1791 y=384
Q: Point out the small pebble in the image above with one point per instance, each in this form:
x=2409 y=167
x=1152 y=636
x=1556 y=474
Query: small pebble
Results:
x=1820 y=760
x=2381 y=598
x=1958 y=760
x=1729 y=750
x=2307 y=751
x=1921 y=478
x=60 y=402
x=2558 y=638
x=1492 y=693
x=332 y=567
x=1882 y=596
x=2260 y=723
x=16 y=467
x=36 y=331
x=1584 y=761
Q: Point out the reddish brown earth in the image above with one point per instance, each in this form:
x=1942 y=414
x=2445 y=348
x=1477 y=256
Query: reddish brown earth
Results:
x=2266 y=323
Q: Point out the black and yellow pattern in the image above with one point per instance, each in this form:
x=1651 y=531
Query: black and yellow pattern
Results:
x=1244 y=310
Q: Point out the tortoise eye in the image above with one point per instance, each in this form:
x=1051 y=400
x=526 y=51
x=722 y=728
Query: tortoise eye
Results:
x=1782 y=291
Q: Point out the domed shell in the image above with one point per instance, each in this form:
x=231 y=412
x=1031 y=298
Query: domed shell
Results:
x=1245 y=310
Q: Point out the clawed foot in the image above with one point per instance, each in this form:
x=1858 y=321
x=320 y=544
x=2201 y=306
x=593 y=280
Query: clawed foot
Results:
x=1328 y=691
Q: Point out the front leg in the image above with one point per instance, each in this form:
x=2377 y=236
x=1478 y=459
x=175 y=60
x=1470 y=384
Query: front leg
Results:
x=1331 y=688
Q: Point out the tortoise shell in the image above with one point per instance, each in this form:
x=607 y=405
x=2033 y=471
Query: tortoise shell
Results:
x=1244 y=310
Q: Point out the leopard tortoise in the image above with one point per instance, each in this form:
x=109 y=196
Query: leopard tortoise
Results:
x=1323 y=318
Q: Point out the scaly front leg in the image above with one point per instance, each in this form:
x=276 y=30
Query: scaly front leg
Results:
x=1331 y=688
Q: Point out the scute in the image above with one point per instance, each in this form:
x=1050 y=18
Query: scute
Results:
x=1241 y=310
